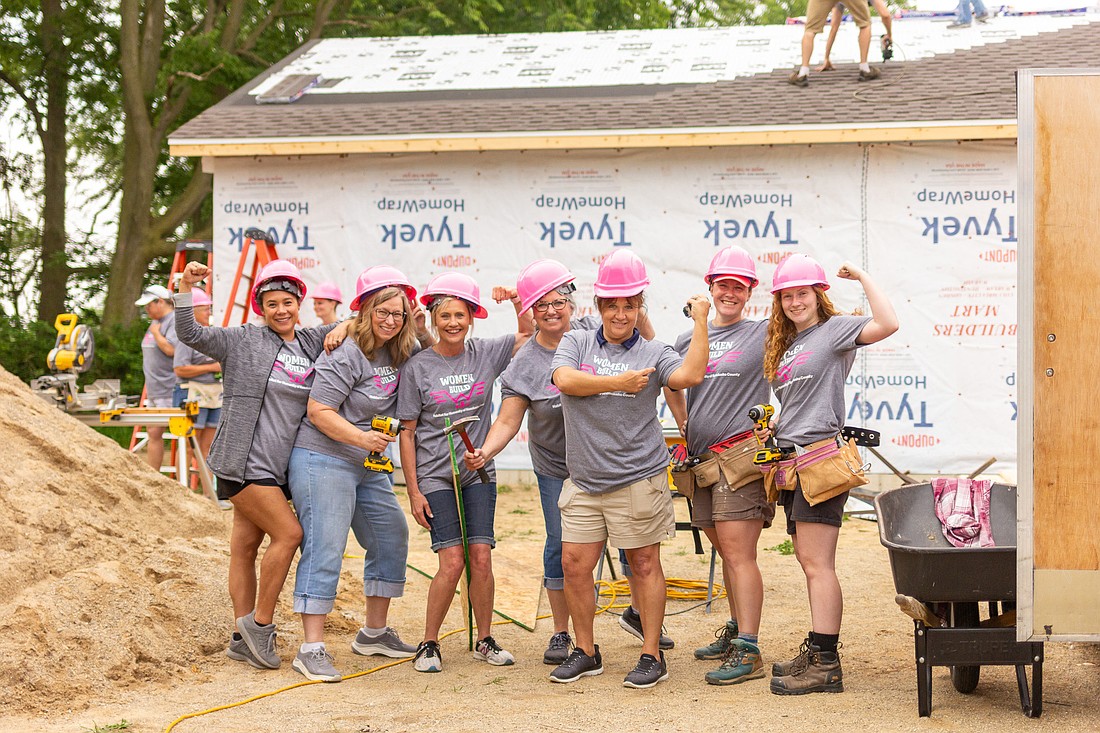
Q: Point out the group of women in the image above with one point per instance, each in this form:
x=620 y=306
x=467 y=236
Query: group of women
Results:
x=297 y=425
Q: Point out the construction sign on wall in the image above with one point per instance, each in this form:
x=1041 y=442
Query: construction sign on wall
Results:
x=933 y=224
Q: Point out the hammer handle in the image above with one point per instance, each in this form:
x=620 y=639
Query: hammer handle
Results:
x=481 y=473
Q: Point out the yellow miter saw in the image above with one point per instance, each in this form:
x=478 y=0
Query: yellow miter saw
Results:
x=72 y=354
x=75 y=346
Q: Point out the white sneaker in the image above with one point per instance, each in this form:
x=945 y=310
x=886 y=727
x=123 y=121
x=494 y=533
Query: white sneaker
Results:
x=428 y=658
x=487 y=650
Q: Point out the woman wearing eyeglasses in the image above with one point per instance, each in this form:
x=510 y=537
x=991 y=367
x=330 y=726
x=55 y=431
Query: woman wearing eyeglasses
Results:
x=331 y=487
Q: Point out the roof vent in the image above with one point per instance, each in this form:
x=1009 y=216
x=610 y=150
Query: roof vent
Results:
x=289 y=89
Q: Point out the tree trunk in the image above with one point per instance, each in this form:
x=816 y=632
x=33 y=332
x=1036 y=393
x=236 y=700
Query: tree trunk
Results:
x=54 y=276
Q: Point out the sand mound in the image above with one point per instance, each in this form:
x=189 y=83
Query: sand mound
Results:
x=109 y=573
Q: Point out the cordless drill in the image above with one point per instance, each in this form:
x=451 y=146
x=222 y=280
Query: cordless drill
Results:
x=761 y=416
x=387 y=426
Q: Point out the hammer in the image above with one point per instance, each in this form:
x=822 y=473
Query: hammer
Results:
x=459 y=426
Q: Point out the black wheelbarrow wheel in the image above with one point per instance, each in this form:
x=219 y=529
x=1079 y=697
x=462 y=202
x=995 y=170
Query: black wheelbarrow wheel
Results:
x=965 y=678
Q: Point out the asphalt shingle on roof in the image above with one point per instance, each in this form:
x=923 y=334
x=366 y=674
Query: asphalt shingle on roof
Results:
x=968 y=85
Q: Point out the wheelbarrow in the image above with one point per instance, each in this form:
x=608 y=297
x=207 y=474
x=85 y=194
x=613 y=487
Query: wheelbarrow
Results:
x=955 y=581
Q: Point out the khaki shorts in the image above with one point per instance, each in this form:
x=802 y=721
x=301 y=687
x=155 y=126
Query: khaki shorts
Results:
x=718 y=503
x=637 y=515
x=818 y=12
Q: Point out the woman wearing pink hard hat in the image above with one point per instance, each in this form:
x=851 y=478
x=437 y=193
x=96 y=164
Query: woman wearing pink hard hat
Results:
x=337 y=487
x=810 y=350
x=729 y=502
x=617 y=461
x=326 y=297
x=451 y=381
x=267 y=370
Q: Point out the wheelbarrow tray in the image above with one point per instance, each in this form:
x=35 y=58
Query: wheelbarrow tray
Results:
x=929 y=568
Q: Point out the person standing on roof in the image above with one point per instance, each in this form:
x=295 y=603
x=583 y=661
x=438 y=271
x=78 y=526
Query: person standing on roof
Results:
x=326 y=298
x=887 y=43
x=268 y=372
x=334 y=491
x=617 y=488
x=809 y=353
x=450 y=381
x=817 y=11
x=157 y=349
x=963 y=14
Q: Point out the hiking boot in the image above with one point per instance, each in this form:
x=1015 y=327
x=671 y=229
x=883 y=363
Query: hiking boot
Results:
x=239 y=651
x=821 y=673
x=260 y=640
x=428 y=658
x=798 y=80
x=871 y=74
x=720 y=647
x=887 y=45
x=955 y=25
x=558 y=650
x=631 y=622
x=983 y=18
x=577 y=665
x=487 y=650
x=742 y=663
x=388 y=643
x=782 y=669
x=317 y=665
x=648 y=673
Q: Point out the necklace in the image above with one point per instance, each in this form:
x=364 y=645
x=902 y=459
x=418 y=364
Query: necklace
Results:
x=447 y=360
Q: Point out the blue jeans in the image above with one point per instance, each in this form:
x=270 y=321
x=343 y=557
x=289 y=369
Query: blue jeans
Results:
x=332 y=496
x=964 y=10
x=553 y=577
x=479 y=505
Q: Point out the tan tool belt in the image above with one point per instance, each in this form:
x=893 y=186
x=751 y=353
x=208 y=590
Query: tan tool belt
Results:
x=828 y=468
x=209 y=396
x=736 y=462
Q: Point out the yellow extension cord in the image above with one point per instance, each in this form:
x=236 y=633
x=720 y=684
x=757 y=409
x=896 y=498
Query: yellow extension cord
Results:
x=678 y=590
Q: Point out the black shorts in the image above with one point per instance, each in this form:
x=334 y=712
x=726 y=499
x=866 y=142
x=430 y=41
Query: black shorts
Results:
x=797 y=509
x=228 y=488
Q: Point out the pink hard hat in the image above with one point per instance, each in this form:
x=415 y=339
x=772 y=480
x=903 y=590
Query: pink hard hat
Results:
x=538 y=279
x=378 y=277
x=732 y=261
x=621 y=275
x=199 y=297
x=457 y=285
x=328 y=291
x=277 y=275
x=797 y=271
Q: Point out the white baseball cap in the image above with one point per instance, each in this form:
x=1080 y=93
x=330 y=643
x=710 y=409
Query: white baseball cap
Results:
x=153 y=292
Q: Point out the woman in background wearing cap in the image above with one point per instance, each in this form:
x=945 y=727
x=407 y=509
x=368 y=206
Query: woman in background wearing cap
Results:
x=268 y=371
x=732 y=515
x=617 y=488
x=334 y=491
x=451 y=381
x=810 y=350
x=194 y=368
x=326 y=296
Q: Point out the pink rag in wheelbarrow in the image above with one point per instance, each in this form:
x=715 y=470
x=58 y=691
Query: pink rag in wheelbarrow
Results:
x=962 y=506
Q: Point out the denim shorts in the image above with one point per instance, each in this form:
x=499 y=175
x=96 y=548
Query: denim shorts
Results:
x=553 y=577
x=479 y=503
x=330 y=497
x=208 y=417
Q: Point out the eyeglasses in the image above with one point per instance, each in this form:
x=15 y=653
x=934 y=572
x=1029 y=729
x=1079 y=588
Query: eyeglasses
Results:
x=384 y=315
x=555 y=304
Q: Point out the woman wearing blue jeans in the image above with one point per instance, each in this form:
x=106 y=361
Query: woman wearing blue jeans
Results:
x=332 y=489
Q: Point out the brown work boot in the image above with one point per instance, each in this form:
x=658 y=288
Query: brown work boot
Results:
x=798 y=80
x=782 y=669
x=821 y=673
x=871 y=74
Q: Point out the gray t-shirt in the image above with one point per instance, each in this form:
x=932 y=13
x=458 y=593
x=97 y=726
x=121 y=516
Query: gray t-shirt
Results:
x=614 y=438
x=186 y=356
x=809 y=382
x=282 y=411
x=160 y=380
x=528 y=377
x=435 y=388
x=718 y=408
x=358 y=389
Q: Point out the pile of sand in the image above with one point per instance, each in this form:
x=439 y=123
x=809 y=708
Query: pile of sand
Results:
x=110 y=574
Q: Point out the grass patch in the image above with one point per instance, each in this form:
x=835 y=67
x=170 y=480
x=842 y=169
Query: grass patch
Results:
x=120 y=725
x=519 y=511
x=783 y=548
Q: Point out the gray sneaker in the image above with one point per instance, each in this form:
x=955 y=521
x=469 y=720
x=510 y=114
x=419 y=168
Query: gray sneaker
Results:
x=260 y=640
x=649 y=672
x=387 y=643
x=238 y=651
x=317 y=665
x=558 y=650
x=631 y=623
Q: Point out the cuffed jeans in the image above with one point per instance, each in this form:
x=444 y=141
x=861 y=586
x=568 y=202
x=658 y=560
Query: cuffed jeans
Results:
x=553 y=577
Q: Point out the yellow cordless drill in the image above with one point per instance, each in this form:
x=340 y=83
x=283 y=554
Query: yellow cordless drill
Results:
x=387 y=426
x=761 y=416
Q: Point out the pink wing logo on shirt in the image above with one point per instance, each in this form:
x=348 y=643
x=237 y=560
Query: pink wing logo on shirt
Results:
x=294 y=377
x=587 y=368
x=552 y=389
x=463 y=399
x=783 y=373
x=727 y=358
x=386 y=388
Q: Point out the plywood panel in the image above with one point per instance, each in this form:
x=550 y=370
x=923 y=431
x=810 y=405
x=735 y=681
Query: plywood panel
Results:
x=1066 y=602
x=1066 y=325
